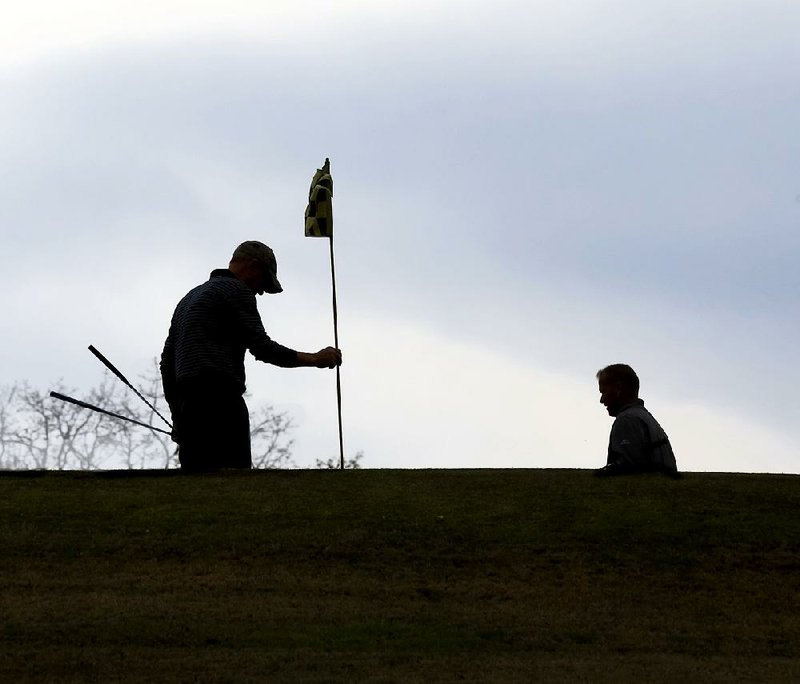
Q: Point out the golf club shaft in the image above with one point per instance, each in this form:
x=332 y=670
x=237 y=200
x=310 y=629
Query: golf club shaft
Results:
x=116 y=372
x=109 y=365
x=78 y=402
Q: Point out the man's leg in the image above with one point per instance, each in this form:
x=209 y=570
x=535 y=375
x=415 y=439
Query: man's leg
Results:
x=213 y=430
x=235 y=452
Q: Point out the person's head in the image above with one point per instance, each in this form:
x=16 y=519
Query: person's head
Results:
x=618 y=385
x=255 y=265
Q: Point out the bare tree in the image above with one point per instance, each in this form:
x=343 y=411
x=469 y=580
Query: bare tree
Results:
x=39 y=432
x=353 y=463
x=9 y=457
x=269 y=442
x=152 y=449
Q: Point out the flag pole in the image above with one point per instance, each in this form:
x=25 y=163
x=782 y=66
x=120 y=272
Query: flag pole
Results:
x=319 y=223
x=336 y=344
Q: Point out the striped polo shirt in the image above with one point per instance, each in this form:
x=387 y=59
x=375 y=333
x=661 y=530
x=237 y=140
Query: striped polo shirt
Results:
x=212 y=327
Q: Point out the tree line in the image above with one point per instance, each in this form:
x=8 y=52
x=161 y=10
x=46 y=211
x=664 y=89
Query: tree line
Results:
x=43 y=433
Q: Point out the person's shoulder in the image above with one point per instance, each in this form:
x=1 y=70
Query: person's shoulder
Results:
x=634 y=411
x=223 y=273
x=630 y=418
x=629 y=413
x=222 y=280
x=222 y=277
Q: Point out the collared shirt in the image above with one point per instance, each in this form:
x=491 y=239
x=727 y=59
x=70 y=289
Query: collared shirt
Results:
x=212 y=327
x=638 y=442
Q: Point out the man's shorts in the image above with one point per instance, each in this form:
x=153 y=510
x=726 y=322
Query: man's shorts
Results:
x=212 y=428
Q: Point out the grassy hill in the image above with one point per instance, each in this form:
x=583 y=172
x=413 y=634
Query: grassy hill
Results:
x=399 y=576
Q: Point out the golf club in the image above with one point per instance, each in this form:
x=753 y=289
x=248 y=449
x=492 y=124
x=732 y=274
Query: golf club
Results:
x=78 y=402
x=116 y=372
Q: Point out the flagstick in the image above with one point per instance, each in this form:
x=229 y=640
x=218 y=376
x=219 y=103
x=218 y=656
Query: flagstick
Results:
x=336 y=344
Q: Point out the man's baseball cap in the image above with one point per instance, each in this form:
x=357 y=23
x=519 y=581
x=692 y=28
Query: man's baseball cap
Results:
x=253 y=249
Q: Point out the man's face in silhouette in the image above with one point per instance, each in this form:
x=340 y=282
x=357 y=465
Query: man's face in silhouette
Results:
x=611 y=395
x=255 y=274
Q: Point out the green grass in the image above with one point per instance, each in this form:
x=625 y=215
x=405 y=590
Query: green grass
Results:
x=399 y=576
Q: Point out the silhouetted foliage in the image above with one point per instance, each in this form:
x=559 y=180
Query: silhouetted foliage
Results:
x=40 y=432
x=335 y=463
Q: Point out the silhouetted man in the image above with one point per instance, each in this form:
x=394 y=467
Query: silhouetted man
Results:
x=637 y=443
x=202 y=365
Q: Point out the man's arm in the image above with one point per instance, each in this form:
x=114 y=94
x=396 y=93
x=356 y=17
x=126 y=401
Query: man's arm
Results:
x=324 y=358
x=265 y=349
x=329 y=357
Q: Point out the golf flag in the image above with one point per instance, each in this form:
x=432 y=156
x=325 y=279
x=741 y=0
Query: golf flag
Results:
x=319 y=212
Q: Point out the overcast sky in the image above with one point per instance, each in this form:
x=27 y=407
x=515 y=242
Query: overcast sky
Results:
x=525 y=192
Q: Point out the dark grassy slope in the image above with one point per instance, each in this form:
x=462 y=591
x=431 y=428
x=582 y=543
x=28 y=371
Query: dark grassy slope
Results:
x=481 y=575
